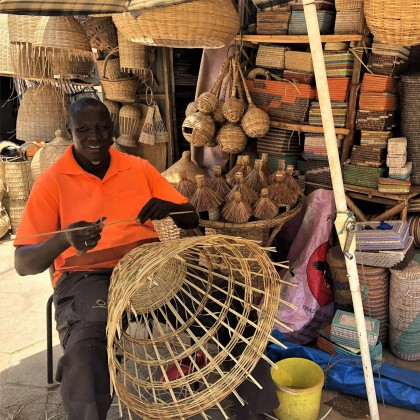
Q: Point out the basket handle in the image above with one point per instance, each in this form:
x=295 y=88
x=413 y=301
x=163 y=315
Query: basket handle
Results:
x=248 y=96
x=115 y=49
x=219 y=79
x=235 y=77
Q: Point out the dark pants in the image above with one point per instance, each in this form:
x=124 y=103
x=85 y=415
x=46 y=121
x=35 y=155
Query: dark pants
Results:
x=81 y=314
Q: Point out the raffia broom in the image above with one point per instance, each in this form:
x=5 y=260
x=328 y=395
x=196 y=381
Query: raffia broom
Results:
x=237 y=210
x=264 y=166
x=217 y=183
x=247 y=193
x=230 y=176
x=290 y=181
x=280 y=193
x=256 y=179
x=281 y=170
x=264 y=208
x=205 y=199
x=185 y=186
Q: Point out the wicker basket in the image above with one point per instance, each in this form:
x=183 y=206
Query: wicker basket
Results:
x=4 y=222
x=6 y=63
x=134 y=58
x=348 y=4
x=271 y=56
x=231 y=138
x=394 y=21
x=119 y=90
x=198 y=129
x=18 y=179
x=299 y=61
x=263 y=231
x=183 y=164
x=130 y=125
x=197 y=24
x=101 y=32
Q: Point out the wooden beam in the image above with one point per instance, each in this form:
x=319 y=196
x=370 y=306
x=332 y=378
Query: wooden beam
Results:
x=297 y=39
x=168 y=107
x=305 y=128
x=391 y=212
x=355 y=209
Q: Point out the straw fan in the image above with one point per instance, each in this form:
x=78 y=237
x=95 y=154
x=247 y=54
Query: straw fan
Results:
x=189 y=316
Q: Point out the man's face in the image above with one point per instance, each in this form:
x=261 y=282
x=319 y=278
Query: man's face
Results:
x=91 y=131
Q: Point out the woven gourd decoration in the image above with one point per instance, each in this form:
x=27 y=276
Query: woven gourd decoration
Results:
x=191 y=108
x=234 y=108
x=237 y=210
x=181 y=306
x=185 y=186
x=231 y=138
x=185 y=163
x=264 y=208
x=280 y=193
x=217 y=183
x=198 y=129
x=205 y=198
x=290 y=181
x=248 y=194
x=129 y=122
x=207 y=102
x=256 y=179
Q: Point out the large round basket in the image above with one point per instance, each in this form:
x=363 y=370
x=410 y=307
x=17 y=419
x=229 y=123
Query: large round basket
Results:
x=394 y=21
x=263 y=231
x=196 y=24
x=196 y=335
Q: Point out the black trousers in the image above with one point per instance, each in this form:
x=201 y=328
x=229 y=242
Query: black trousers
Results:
x=80 y=300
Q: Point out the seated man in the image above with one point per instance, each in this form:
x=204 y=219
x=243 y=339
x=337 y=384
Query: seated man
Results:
x=90 y=182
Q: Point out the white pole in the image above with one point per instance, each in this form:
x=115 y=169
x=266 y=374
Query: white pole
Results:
x=343 y=216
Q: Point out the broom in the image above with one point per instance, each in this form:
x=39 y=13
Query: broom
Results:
x=217 y=183
x=264 y=208
x=237 y=210
x=248 y=194
x=264 y=165
x=185 y=186
x=280 y=193
x=247 y=169
x=291 y=182
x=256 y=179
x=280 y=170
x=205 y=199
x=230 y=176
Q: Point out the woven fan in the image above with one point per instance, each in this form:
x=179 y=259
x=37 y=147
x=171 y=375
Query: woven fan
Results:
x=185 y=186
x=280 y=193
x=237 y=210
x=247 y=193
x=217 y=183
x=290 y=181
x=205 y=198
x=256 y=179
x=264 y=208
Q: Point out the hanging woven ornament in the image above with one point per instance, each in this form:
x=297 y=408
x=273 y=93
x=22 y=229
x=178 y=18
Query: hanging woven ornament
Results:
x=159 y=129
x=290 y=181
x=265 y=167
x=185 y=163
x=217 y=183
x=264 y=208
x=234 y=108
x=231 y=138
x=237 y=210
x=185 y=186
x=198 y=129
x=218 y=112
x=248 y=194
x=129 y=121
x=147 y=134
x=281 y=170
x=205 y=199
x=191 y=108
x=255 y=122
x=280 y=193
x=256 y=179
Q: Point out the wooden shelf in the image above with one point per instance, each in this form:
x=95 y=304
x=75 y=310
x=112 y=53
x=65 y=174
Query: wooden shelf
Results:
x=297 y=39
x=306 y=128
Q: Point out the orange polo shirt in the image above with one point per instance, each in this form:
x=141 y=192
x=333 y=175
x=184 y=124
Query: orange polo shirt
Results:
x=65 y=194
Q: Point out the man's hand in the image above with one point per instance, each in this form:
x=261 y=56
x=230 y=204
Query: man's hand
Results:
x=84 y=239
x=156 y=209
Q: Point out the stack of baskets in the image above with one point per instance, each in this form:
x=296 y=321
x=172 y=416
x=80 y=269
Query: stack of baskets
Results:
x=404 y=314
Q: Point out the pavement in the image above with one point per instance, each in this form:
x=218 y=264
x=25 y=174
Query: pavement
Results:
x=24 y=392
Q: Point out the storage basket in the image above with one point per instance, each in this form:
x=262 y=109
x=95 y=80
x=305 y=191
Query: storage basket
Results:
x=130 y=125
x=394 y=21
x=271 y=56
x=198 y=129
x=197 y=24
x=299 y=61
x=348 y=4
x=101 y=32
x=363 y=176
x=231 y=138
x=4 y=221
x=112 y=68
x=18 y=179
x=134 y=57
x=15 y=209
x=263 y=231
x=6 y=63
x=120 y=90
x=273 y=22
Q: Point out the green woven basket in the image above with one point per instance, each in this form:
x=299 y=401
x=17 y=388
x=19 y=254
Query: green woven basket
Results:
x=363 y=176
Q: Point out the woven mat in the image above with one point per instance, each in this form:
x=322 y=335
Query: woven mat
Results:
x=347 y=22
x=297 y=25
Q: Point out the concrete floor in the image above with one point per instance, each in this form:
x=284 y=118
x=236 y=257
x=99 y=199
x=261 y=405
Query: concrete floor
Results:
x=24 y=392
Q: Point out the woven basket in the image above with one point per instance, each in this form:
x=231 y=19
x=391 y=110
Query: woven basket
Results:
x=4 y=222
x=33 y=122
x=183 y=164
x=271 y=56
x=231 y=138
x=197 y=24
x=101 y=32
x=6 y=63
x=15 y=209
x=114 y=110
x=18 y=179
x=119 y=90
x=134 y=58
x=263 y=231
x=112 y=68
x=394 y=21
x=198 y=129
x=130 y=127
x=299 y=61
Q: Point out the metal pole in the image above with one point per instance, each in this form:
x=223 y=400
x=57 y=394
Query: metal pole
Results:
x=345 y=221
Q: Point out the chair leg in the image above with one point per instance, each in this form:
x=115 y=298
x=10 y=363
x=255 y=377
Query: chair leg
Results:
x=49 y=341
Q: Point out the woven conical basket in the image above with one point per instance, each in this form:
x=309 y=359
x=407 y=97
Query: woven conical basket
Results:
x=188 y=313
x=101 y=32
x=183 y=164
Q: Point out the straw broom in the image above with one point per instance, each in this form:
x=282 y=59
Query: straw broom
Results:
x=238 y=167
x=264 y=208
x=264 y=165
x=237 y=210
x=217 y=183
x=205 y=199
x=280 y=193
x=290 y=181
x=256 y=179
x=281 y=170
x=185 y=186
x=248 y=194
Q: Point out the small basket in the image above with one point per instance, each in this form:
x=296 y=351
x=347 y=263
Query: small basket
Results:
x=120 y=90
x=348 y=4
x=18 y=179
x=101 y=32
x=271 y=57
x=4 y=221
x=299 y=61
x=231 y=138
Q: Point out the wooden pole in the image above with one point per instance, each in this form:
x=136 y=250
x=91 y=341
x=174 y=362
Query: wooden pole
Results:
x=344 y=218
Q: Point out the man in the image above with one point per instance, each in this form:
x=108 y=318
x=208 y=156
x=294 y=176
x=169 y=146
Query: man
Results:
x=91 y=181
